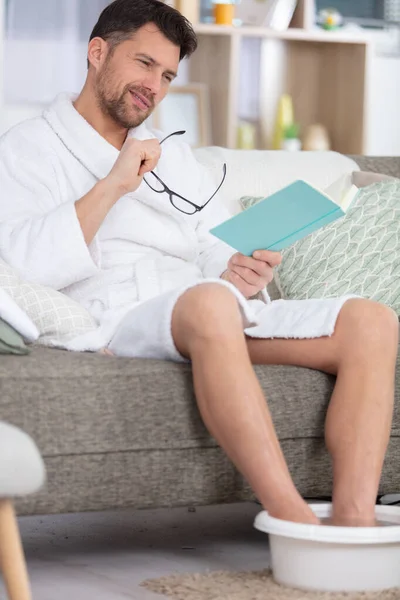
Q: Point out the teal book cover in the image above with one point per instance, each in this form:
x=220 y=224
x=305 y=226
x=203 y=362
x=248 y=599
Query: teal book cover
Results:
x=283 y=218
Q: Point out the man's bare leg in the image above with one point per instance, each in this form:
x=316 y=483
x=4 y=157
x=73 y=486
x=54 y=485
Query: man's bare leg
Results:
x=207 y=327
x=362 y=352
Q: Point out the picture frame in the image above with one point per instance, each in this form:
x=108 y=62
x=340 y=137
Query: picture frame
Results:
x=275 y=14
x=186 y=107
x=253 y=12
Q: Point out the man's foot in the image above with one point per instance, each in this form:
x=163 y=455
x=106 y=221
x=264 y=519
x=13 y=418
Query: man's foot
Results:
x=296 y=511
x=349 y=521
x=353 y=514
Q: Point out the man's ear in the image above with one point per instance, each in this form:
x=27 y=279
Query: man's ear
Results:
x=97 y=52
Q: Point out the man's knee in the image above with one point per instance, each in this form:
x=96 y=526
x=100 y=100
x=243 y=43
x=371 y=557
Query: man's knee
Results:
x=373 y=324
x=208 y=311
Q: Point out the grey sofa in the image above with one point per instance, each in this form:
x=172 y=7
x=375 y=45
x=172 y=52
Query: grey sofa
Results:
x=119 y=432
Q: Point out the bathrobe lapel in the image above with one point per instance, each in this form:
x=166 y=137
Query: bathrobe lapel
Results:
x=98 y=156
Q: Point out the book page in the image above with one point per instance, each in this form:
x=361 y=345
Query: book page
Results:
x=338 y=189
x=342 y=191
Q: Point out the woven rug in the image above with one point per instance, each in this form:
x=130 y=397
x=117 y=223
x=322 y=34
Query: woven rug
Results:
x=259 y=585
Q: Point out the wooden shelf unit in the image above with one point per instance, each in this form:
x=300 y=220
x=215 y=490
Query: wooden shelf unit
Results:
x=293 y=33
x=325 y=72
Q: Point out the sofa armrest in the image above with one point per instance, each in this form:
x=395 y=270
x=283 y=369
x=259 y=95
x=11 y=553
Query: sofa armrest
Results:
x=386 y=165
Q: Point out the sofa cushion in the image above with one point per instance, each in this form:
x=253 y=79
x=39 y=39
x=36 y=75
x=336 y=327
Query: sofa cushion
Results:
x=390 y=165
x=360 y=179
x=127 y=432
x=76 y=403
x=263 y=172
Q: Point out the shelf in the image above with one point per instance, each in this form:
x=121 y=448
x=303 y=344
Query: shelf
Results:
x=324 y=72
x=306 y=35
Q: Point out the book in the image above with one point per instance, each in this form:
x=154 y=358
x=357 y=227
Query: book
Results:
x=287 y=216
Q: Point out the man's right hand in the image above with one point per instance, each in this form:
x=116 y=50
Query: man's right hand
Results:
x=135 y=160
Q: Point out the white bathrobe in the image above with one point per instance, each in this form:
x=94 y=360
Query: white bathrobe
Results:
x=145 y=254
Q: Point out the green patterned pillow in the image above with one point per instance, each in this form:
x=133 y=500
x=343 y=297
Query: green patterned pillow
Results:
x=249 y=201
x=358 y=254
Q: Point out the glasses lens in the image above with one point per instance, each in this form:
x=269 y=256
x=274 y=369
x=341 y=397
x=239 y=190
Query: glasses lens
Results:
x=154 y=183
x=183 y=205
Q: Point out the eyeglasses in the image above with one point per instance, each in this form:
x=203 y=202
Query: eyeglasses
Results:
x=179 y=202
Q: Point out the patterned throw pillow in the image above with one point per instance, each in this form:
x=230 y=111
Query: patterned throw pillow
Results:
x=249 y=201
x=358 y=254
x=57 y=317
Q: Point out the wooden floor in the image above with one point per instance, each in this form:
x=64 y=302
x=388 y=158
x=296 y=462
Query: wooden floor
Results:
x=105 y=556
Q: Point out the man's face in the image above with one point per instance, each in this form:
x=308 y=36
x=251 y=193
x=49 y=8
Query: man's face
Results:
x=136 y=76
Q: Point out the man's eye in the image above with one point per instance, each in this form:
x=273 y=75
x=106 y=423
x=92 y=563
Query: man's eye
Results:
x=144 y=63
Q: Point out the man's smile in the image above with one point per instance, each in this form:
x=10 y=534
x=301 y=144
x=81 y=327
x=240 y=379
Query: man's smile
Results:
x=140 y=101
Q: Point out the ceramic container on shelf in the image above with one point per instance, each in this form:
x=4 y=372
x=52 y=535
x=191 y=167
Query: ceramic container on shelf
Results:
x=190 y=9
x=316 y=138
x=291 y=141
x=291 y=145
x=224 y=12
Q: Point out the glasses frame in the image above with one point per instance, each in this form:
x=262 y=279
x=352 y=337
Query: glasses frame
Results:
x=195 y=208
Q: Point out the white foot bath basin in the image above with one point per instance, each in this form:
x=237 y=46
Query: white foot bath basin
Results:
x=339 y=559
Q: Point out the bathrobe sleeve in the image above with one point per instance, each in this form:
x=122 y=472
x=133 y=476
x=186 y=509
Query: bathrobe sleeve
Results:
x=39 y=235
x=213 y=253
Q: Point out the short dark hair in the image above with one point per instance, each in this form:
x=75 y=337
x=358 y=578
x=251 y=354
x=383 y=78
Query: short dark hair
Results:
x=122 y=18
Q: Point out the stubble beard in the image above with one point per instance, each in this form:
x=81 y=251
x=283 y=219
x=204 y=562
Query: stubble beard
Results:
x=119 y=106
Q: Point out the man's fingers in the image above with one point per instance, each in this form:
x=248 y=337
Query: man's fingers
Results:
x=241 y=260
x=147 y=166
x=149 y=152
x=260 y=267
x=272 y=258
x=245 y=288
x=248 y=275
x=149 y=162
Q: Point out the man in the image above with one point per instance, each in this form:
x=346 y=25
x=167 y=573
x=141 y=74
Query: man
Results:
x=91 y=206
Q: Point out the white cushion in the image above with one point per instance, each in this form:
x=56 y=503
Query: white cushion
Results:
x=57 y=317
x=263 y=172
x=22 y=470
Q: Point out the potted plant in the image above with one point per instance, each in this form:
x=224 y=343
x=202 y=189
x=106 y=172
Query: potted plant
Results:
x=291 y=141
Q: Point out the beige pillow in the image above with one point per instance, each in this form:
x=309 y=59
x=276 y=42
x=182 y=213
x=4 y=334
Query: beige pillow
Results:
x=364 y=178
x=57 y=317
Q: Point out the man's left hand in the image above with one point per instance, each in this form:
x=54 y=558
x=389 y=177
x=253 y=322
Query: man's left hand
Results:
x=251 y=274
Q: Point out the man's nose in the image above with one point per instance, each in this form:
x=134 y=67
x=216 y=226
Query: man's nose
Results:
x=153 y=82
